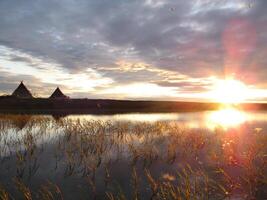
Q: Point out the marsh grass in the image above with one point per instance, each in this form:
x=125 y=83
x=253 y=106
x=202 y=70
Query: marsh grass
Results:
x=43 y=158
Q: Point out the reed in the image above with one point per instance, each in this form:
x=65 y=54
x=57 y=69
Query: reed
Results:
x=161 y=160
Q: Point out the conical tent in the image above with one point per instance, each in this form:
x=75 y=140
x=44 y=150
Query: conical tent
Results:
x=57 y=94
x=22 y=91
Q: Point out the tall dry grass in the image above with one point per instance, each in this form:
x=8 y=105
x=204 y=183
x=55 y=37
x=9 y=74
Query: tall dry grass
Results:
x=161 y=160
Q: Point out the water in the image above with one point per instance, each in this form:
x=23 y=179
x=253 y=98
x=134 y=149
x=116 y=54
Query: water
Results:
x=225 y=118
x=96 y=156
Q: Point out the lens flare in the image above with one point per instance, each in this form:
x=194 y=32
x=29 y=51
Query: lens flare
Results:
x=226 y=118
x=230 y=91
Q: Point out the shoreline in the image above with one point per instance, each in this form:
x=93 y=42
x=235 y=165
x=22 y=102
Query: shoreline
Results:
x=10 y=105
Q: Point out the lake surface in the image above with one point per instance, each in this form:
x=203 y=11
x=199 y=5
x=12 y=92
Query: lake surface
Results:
x=211 y=155
x=225 y=118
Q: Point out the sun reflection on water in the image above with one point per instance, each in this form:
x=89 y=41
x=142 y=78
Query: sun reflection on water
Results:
x=226 y=118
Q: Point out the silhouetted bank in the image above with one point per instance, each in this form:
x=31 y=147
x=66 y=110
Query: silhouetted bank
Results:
x=9 y=104
x=22 y=101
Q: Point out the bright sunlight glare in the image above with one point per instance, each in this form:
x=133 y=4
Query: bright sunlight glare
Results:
x=226 y=118
x=230 y=91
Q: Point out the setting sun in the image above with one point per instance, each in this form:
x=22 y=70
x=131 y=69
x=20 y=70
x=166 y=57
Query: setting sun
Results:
x=230 y=91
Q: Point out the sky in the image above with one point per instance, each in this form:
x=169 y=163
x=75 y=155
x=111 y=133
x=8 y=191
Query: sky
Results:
x=133 y=49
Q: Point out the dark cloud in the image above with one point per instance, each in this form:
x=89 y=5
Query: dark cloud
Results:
x=187 y=86
x=188 y=37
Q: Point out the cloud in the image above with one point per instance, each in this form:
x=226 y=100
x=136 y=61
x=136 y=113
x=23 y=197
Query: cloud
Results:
x=9 y=82
x=47 y=73
x=99 y=43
